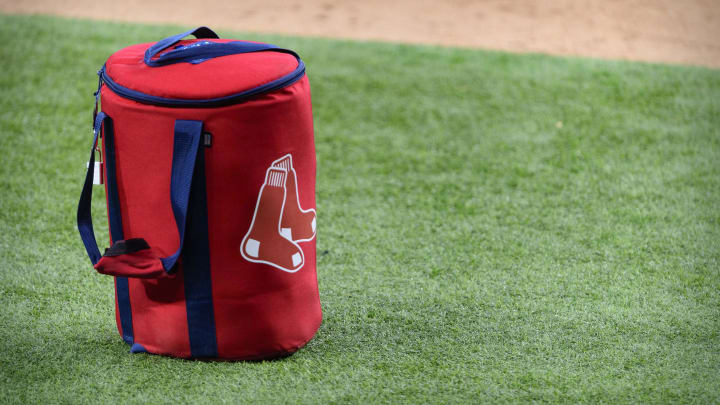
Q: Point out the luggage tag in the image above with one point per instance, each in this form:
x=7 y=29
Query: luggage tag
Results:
x=98 y=169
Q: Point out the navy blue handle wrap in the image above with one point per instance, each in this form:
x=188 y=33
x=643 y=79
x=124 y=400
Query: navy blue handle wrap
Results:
x=200 y=32
x=201 y=51
x=186 y=148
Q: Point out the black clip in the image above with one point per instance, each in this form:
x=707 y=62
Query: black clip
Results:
x=123 y=247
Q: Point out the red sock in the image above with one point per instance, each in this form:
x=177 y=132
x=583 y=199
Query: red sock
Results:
x=297 y=224
x=263 y=243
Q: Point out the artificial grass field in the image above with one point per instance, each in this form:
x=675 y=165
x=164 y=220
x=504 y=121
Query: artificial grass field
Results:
x=492 y=228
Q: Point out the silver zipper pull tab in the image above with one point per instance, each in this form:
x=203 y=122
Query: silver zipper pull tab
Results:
x=98 y=166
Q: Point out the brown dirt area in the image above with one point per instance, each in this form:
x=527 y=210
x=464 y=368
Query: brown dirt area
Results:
x=668 y=31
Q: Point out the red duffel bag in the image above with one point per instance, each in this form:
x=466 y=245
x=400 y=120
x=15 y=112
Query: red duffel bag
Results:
x=208 y=161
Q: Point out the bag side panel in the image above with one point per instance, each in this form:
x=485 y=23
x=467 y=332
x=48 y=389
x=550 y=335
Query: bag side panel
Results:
x=260 y=310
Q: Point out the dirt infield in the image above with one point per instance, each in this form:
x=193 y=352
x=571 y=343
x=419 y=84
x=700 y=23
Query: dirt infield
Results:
x=669 y=31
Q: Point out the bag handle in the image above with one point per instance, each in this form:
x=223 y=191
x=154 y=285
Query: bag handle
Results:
x=186 y=147
x=134 y=257
x=201 y=51
x=199 y=33
x=84 y=216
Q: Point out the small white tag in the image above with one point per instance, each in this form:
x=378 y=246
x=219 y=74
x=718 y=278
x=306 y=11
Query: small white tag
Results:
x=97 y=174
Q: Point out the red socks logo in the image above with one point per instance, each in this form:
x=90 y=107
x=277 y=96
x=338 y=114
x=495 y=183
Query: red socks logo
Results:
x=279 y=222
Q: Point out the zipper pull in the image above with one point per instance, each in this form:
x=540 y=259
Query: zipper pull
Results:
x=98 y=175
x=98 y=168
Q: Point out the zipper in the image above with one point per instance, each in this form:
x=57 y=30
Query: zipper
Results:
x=141 y=97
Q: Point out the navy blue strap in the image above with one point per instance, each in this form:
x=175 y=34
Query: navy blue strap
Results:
x=185 y=153
x=201 y=51
x=84 y=217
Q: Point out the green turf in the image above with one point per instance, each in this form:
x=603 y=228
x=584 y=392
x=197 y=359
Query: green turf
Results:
x=472 y=248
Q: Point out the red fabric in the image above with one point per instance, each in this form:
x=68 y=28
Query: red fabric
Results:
x=260 y=310
x=141 y=264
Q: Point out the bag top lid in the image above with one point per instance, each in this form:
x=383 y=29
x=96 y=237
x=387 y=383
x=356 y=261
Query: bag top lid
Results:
x=206 y=69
